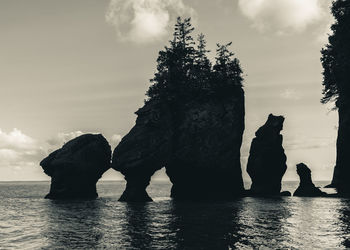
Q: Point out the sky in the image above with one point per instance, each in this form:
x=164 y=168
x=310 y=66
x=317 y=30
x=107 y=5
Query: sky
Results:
x=70 y=67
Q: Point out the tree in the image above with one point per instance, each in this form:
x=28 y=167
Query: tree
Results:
x=185 y=72
x=336 y=57
x=174 y=63
x=202 y=66
x=336 y=87
x=228 y=69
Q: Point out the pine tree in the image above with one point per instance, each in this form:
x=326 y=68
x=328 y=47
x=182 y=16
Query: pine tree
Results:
x=336 y=57
x=185 y=72
x=202 y=65
x=227 y=69
x=175 y=64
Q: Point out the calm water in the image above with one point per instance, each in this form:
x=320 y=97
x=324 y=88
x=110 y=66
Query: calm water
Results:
x=29 y=221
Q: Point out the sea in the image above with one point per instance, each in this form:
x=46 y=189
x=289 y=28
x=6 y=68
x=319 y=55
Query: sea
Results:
x=28 y=221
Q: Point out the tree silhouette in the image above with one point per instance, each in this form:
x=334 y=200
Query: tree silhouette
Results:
x=174 y=63
x=336 y=56
x=227 y=69
x=185 y=72
x=336 y=87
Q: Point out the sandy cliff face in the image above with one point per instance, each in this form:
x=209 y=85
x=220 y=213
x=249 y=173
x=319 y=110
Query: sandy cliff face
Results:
x=77 y=166
x=198 y=143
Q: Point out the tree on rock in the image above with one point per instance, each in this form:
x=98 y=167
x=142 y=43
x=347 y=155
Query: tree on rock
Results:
x=175 y=64
x=228 y=72
x=336 y=87
x=192 y=124
x=185 y=72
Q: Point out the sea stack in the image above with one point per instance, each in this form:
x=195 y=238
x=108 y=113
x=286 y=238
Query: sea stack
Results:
x=306 y=187
x=192 y=124
x=198 y=144
x=267 y=160
x=341 y=174
x=144 y=150
x=77 y=166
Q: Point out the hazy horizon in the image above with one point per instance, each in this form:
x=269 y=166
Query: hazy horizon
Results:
x=72 y=67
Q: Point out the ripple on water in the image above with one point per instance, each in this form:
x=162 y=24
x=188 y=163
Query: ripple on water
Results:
x=29 y=221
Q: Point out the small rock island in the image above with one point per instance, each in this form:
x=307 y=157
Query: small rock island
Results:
x=306 y=187
x=77 y=166
x=267 y=160
x=192 y=124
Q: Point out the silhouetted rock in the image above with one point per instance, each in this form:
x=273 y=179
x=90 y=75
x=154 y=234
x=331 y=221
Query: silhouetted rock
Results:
x=205 y=161
x=306 y=187
x=144 y=150
x=267 y=161
x=285 y=193
x=341 y=174
x=77 y=166
x=198 y=143
x=330 y=186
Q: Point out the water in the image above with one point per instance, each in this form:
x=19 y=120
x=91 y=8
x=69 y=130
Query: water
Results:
x=27 y=221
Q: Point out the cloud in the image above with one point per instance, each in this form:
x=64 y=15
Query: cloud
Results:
x=144 y=21
x=283 y=16
x=61 y=138
x=21 y=154
x=18 y=150
x=16 y=140
x=290 y=94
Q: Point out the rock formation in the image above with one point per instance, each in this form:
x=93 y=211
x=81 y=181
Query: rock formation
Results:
x=267 y=161
x=144 y=150
x=341 y=174
x=191 y=124
x=197 y=142
x=205 y=160
x=77 y=166
x=306 y=187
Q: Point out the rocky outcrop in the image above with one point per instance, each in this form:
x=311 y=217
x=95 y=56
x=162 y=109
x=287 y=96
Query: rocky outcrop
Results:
x=144 y=150
x=197 y=142
x=77 y=166
x=306 y=187
x=267 y=161
x=341 y=174
x=205 y=161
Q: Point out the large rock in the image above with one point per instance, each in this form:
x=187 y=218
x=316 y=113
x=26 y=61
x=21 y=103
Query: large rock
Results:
x=77 y=166
x=205 y=161
x=306 y=187
x=341 y=175
x=144 y=150
x=198 y=143
x=267 y=161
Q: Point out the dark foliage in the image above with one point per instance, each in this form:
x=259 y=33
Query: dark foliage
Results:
x=185 y=72
x=336 y=56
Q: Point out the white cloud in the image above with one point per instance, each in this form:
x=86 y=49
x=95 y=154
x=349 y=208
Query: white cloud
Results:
x=18 y=150
x=284 y=16
x=61 y=138
x=290 y=94
x=21 y=154
x=144 y=21
x=16 y=140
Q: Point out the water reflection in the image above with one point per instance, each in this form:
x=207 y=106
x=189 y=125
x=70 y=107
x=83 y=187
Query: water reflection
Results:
x=301 y=223
x=209 y=225
x=262 y=221
x=315 y=223
x=344 y=218
x=137 y=225
x=73 y=224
